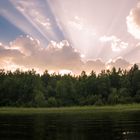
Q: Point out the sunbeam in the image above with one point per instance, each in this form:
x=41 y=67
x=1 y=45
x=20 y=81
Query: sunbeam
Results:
x=19 y=21
x=39 y=17
x=84 y=33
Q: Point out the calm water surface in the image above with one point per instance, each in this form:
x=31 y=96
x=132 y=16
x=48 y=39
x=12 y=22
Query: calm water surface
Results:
x=71 y=126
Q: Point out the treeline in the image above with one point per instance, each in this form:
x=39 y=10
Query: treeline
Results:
x=53 y=90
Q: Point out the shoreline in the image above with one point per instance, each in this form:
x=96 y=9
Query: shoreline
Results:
x=72 y=109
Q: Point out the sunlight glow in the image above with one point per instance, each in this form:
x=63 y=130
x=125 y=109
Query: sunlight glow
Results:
x=79 y=30
x=63 y=72
x=64 y=35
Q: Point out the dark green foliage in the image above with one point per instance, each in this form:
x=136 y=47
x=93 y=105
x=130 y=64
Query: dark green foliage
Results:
x=51 y=102
x=113 y=96
x=31 y=89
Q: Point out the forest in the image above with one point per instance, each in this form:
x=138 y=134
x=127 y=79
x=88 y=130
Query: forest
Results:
x=30 y=89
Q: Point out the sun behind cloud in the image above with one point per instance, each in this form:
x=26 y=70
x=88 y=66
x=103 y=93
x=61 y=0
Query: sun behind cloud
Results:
x=69 y=36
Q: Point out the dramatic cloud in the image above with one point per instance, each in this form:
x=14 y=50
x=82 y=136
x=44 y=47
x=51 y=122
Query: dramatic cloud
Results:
x=26 y=45
x=25 y=53
x=133 y=22
x=95 y=28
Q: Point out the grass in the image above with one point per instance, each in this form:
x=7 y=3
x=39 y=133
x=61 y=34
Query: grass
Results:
x=77 y=109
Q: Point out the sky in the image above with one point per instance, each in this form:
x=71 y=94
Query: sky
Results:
x=69 y=35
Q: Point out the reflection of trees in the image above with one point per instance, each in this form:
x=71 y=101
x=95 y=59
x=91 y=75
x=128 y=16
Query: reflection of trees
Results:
x=72 y=126
x=107 y=126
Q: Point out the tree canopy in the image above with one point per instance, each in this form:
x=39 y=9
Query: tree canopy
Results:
x=30 y=89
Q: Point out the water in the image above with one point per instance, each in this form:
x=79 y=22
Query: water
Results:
x=71 y=126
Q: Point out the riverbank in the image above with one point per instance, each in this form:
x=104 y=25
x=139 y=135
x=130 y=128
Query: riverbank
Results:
x=77 y=109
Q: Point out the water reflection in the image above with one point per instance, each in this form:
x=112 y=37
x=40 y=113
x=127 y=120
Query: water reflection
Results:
x=90 y=126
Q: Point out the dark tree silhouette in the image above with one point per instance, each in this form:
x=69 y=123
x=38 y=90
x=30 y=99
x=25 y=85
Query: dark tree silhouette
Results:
x=31 y=89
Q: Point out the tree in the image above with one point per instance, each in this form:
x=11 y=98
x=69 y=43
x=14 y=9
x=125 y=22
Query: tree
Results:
x=113 y=97
x=28 y=88
x=115 y=78
x=103 y=86
x=132 y=78
x=51 y=102
x=65 y=90
x=39 y=99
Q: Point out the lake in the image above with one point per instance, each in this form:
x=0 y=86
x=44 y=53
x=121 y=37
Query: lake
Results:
x=71 y=126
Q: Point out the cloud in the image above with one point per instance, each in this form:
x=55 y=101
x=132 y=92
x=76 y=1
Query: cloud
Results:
x=79 y=24
x=63 y=56
x=134 y=54
x=98 y=65
x=7 y=57
x=117 y=44
x=133 y=21
x=39 y=17
x=118 y=63
x=5 y=52
x=95 y=65
x=25 y=53
x=26 y=45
